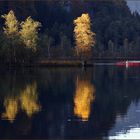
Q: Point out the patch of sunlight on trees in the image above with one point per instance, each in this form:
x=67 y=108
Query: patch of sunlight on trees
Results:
x=84 y=96
x=11 y=30
x=29 y=32
x=21 y=37
x=22 y=40
x=26 y=101
x=11 y=24
x=83 y=35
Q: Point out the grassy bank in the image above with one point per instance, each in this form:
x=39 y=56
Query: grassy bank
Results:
x=66 y=62
x=78 y=62
x=73 y=63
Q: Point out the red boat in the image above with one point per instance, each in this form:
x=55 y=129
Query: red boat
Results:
x=128 y=63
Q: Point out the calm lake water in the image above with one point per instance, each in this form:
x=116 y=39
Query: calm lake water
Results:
x=70 y=103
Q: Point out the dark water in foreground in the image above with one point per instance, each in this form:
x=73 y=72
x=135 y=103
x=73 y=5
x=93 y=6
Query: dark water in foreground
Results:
x=70 y=103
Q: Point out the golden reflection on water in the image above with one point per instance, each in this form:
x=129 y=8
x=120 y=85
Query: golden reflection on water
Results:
x=11 y=109
x=26 y=101
x=84 y=96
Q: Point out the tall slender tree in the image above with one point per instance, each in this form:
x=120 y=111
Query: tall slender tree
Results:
x=83 y=35
x=11 y=27
x=29 y=33
x=11 y=30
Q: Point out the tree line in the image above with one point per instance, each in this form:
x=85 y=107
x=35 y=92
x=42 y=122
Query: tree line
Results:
x=117 y=32
x=18 y=39
x=112 y=21
x=21 y=42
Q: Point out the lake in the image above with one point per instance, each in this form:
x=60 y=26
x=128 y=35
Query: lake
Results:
x=70 y=103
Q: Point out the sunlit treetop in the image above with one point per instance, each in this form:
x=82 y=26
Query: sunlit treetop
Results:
x=29 y=32
x=11 y=24
x=84 y=37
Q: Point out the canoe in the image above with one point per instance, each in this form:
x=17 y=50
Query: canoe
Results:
x=128 y=63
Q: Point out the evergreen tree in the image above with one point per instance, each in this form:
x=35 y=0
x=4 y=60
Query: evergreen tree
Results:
x=126 y=46
x=46 y=41
x=65 y=45
x=111 y=47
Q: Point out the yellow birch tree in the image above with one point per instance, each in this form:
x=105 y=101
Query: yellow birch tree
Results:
x=11 y=30
x=84 y=37
x=11 y=27
x=29 y=33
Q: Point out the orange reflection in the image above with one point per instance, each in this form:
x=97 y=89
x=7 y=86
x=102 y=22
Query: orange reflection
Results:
x=84 y=96
x=11 y=109
x=26 y=100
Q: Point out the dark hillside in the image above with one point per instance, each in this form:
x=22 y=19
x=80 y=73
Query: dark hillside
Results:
x=111 y=20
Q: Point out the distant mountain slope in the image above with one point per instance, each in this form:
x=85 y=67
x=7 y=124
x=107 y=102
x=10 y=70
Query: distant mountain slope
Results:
x=111 y=19
x=134 y=5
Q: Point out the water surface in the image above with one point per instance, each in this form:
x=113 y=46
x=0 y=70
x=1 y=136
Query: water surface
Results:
x=70 y=103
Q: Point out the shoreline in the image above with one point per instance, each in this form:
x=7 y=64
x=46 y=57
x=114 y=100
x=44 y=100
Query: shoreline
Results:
x=67 y=62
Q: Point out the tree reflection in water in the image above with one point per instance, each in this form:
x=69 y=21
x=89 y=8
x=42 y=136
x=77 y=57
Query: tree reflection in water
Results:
x=84 y=96
x=26 y=101
x=11 y=109
x=66 y=94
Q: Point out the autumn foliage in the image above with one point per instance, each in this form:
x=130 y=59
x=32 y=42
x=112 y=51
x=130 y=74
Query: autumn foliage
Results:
x=29 y=33
x=83 y=35
x=84 y=96
x=11 y=27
